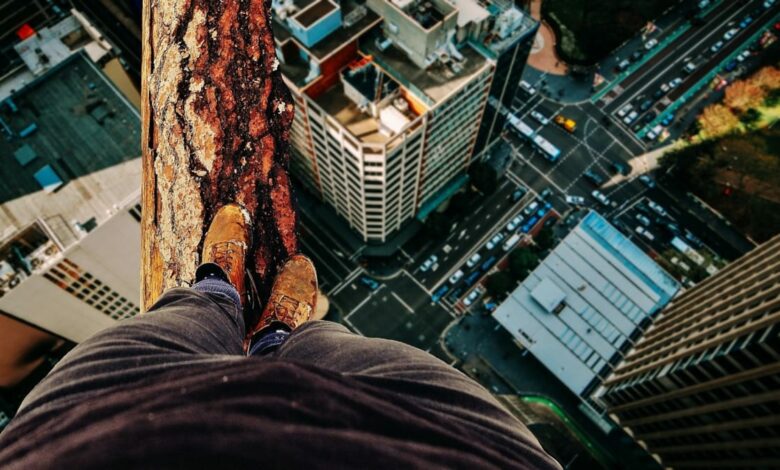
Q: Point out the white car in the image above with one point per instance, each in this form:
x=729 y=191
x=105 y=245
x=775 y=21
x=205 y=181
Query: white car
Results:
x=601 y=198
x=494 y=241
x=447 y=249
x=730 y=34
x=540 y=118
x=631 y=117
x=743 y=56
x=512 y=225
x=428 y=263
x=531 y=208
x=716 y=47
x=527 y=87
x=657 y=208
x=473 y=260
x=474 y=295
x=625 y=110
x=645 y=233
x=675 y=83
x=651 y=44
x=575 y=200
x=456 y=277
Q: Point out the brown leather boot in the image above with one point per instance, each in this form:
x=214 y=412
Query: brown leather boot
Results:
x=293 y=296
x=225 y=246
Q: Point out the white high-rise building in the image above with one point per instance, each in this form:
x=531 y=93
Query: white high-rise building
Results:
x=389 y=99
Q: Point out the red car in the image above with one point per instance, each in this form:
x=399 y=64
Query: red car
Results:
x=777 y=26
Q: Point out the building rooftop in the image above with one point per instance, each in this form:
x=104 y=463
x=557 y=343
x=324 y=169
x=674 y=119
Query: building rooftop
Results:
x=70 y=141
x=356 y=19
x=586 y=302
x=511 y=26
x=431 y=85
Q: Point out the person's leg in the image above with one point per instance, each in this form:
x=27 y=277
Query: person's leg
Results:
x=332 y=346
x=403 y=369
x=202 y=324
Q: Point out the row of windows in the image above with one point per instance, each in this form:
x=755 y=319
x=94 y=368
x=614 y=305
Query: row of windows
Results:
x=84 y=286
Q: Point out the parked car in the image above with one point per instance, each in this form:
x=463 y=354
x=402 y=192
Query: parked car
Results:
x=601 y=198
x=689 y=67
x=636 y=55
x=728 y=35
x=472 y=278
x=657 y=208
x=651 y=44
x=645 y=105
x=512 y=241
x=512 y=225
x=518 y=194
x=622 y=112
x=368 y=282
x=644 y=232
x=745 y=22
x=623 y=65
x=546 y=192
x=631 y=117
x=473 y=296
x=595 y=178
x=731 y=65
x=530 y=208
x=674 y=83
x=643 y=219
x=428 y=263
x=648 y=118
x=743 y=56
x=473 y=260
x=494 y=241
x=667 y=120
x=456 y=276
x=439 y=293
x=488 y=263
x=539 y=117
x=575 y=200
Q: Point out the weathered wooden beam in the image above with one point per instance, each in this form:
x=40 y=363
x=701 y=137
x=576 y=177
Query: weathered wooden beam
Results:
x=215 y=124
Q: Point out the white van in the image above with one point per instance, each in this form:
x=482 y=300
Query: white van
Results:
x=511 y=242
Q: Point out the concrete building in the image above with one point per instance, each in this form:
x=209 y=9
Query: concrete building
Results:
x=69 y=188
x=702 y=387
x=389 y=97
x=586 y=304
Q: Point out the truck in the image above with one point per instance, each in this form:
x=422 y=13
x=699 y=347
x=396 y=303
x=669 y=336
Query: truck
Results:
x=551 y=152
x=569 y=124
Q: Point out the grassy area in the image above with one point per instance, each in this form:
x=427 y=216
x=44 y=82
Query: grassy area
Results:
x=588 y=30
x=737 y=174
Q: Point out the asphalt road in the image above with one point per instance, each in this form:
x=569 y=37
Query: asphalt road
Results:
x=643 y=87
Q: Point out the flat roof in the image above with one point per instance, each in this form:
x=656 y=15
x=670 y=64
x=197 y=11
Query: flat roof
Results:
x=340 y=36
x=314 y=12
x=610 y=291
x=434 y=83
x=86 y=135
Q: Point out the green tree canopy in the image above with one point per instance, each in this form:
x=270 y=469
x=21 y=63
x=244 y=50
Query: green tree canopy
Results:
x=545 y=239
x=521 y=262
x=499 y=284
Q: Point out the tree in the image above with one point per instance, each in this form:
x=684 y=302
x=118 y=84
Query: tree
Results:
x=772 y=98
x=521 y=262
x=483 y=177
x=215 y=120
x=499 y=284
x=545 y=239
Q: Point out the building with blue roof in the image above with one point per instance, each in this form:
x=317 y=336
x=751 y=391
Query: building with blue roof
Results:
x=587 y=303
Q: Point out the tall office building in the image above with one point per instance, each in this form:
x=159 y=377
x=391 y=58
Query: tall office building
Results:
x=702 y=387
x=389 y=97
x=69 y=187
